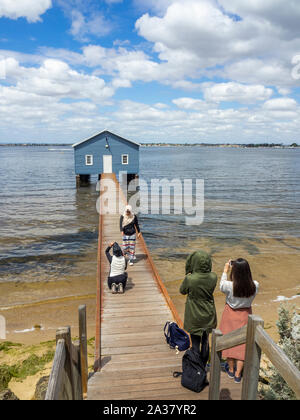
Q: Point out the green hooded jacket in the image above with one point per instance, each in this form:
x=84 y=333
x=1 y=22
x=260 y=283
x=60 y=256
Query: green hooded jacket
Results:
x=199 y=285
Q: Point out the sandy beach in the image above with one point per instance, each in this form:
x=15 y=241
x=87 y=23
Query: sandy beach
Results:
x=275 y=265
x=34 y=311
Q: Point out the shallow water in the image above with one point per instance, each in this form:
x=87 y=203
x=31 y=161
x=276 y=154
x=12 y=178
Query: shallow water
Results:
x=46 y=223
x=49 y=229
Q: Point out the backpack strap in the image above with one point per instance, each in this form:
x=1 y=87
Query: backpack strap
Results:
x=167 y=335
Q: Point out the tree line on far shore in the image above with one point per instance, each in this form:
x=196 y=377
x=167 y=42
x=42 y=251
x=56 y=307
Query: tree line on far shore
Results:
x=250 y=145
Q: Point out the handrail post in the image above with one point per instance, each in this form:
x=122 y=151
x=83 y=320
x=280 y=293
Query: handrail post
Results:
x=54 y=388
x=65 y=334
x=252 y=360
x=97 y=364
x=215 y=368
x=83 y=347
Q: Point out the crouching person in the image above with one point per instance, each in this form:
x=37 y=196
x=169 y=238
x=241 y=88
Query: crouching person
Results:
x=118 y=264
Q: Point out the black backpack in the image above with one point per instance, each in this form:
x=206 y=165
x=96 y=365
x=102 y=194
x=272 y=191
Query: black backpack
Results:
x=193 y=375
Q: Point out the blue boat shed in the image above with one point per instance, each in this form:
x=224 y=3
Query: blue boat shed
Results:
x=106 y=152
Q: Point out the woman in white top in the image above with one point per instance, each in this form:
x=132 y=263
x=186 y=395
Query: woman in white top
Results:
x=240 y=292
x=118 y=264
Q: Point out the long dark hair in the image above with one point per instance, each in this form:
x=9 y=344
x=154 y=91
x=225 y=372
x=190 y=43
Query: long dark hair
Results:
x=243 y=284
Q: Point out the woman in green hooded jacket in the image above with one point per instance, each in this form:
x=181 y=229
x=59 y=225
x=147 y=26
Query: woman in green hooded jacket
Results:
x=200 y=316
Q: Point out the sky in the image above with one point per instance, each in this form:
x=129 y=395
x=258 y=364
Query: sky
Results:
x=187 y=71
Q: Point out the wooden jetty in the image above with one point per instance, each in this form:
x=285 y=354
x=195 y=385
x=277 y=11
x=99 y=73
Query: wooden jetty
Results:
x=132 y=359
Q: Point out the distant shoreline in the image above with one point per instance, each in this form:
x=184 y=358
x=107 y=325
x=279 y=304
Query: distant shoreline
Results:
x=34 y=145
x=227 y=145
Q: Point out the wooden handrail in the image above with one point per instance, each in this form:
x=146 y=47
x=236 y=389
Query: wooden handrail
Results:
x=235 y=338
x=99 y=299
x=56 y=378
x=69 y=370
x=252 y=360
x=83 y=347
x=279 y=359
x=161 y=284
x=257 y=341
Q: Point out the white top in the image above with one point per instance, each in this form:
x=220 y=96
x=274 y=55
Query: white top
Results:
x=235 y=302
x=117 y=266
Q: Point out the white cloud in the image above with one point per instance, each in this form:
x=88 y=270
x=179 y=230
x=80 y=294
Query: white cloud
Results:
x=190 y=104
x=87 y=19
x=281 y=104
x=54 y=78
x=47 y=93
x=32 y=10
x=197 y=35
x=283 y=13
x=270 y=72
x=82 y=27
x=235 y=92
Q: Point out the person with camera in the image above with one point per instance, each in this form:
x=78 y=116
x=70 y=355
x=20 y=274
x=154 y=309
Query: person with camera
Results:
x=240 y=291
x=200 y=316
x=118 y=264
x=129 y=225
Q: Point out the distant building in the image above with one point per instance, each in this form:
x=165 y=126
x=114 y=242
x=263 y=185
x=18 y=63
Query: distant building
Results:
x=106 y=152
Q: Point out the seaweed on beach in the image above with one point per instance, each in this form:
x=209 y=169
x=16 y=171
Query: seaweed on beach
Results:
x=29 y=367
x=8 y=345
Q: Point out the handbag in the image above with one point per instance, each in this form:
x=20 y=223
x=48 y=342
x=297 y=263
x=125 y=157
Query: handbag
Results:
x=193 y=375
x=176 y=337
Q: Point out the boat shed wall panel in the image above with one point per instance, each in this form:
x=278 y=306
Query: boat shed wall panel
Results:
x=96 y=147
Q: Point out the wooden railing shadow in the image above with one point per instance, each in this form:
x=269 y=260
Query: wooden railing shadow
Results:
x=69 y=374
x=257 y=341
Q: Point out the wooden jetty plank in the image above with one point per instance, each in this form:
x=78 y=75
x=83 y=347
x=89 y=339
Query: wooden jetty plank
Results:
x=137 y=322
x=121 y=358
x=126 y=349
x=133 y=313
x=136 y=362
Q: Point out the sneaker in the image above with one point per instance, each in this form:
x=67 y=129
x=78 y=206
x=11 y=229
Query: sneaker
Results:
x=114 y=288
x=120 y=288
x=130 y=262
x=237 y=379
x=231 y=375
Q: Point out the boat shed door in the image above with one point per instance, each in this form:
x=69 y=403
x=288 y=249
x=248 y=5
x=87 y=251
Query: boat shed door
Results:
x=107 y=164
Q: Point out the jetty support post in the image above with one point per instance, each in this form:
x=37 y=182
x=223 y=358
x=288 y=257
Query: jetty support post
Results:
x=215 y=368
x=83 y=180
x=83 y=347
x=69 y=381
x=252 y=360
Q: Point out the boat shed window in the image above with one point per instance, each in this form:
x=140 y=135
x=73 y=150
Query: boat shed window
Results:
x=125 y=159
x=89 y=160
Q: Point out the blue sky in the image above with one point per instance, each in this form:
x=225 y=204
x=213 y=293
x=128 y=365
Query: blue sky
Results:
x=209 y=71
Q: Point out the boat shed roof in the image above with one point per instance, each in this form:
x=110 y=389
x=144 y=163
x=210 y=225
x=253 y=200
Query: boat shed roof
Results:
x=103 y=132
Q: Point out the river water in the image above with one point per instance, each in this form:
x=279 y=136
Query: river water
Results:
x=49 y=228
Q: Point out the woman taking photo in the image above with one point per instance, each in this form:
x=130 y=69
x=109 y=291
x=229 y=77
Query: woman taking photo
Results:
x=118 y=264
x=128 y=226
x=200 y=316
x=240 y=292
